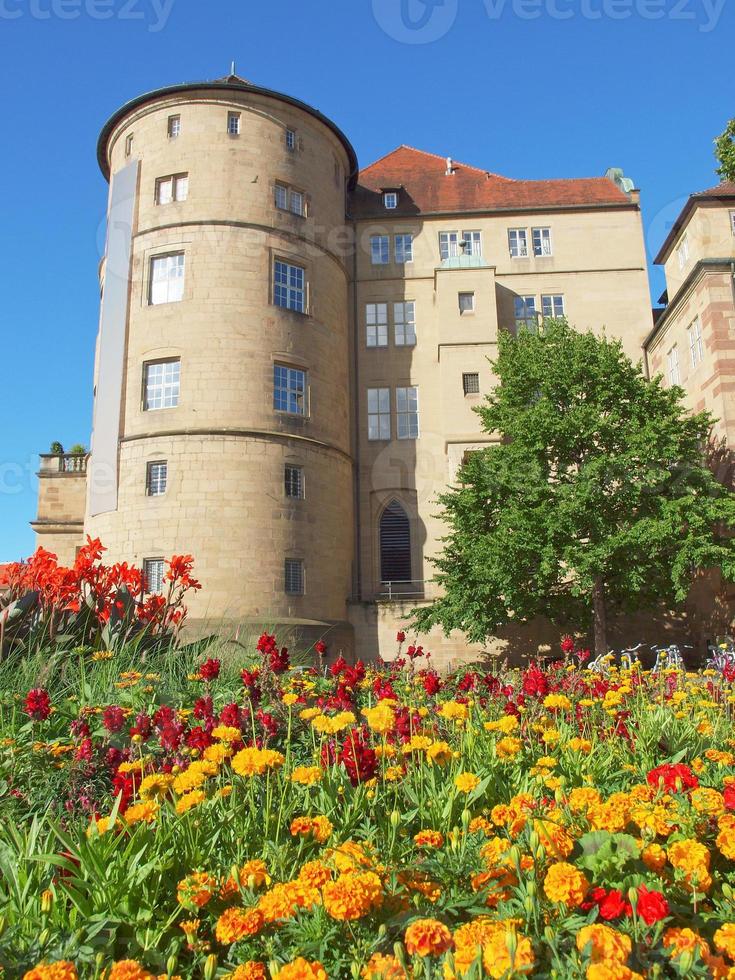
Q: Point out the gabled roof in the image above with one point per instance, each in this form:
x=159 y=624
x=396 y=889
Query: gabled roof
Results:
x=427 y=188
x=722 y=192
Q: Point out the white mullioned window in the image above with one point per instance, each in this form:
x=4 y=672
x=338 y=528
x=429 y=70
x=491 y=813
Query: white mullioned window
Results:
x=552 y=306
x=672 y=365
x=290 y=139
x=293 y=478
x=696 y=346
x=288 y=199
x=390 y=200
x=525 y=312
x=174 y=127
x=376 y=324
x=156 y=478
x=403 y=248
x=293 y=576
x=473 y=242
x=161 y=385
x=289 y=286
x=378 y=400
x=448 y=244
x=173 y=188
x=153 y=569
x=379 y=249
x=407 y=413
x=233 y=123
x=289 y=390
x=167 y=279
x=541 y=239
x=682 y=251
x=404 y=323
x=518 y=243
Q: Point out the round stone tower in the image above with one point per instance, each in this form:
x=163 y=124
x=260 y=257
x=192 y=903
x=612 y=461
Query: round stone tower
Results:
x=222 y=424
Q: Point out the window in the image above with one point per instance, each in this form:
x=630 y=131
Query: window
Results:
x=174 y=127
x=404 y=323
x=128 y=145
x=472 y=242
x=378 y=413
x=156 y=478
x=552 y=306
x=289 y=390
x=161 y=384
x=175 y=188
x=290 y=140
x=466 y=302
x=376 y=322
x=395 y=544
x=379 y=249
x=403 y=246
x=696 y=347
x=167 y=279
x=448 y=244
x=153 y=574
x=471 y=384
x=390 y=200
x=293 y=576
x=407 y=413
x=288 y=199
x=672 y=365
x=289 y=286
x=518 y=243
x=541 y=238
x=732 y=221
x=683 y=251
x=233 y=123
x=525 y=312
x=294 y=482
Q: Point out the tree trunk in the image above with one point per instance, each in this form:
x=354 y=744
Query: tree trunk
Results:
x=600 y=617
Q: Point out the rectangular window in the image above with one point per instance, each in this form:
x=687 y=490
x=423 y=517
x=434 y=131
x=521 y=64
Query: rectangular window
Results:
x=518 y=243
x=167 y=279
x=174 y=127
x=672 y=365
x=129 y=145
x=289 y=390
x=289 y=286
x=403 y=246
x=153 y=569
x=448 y=244
x=174 y=188
x=696 y=347
x=473 y=242
x=404 y=323
x=294 y=482
x=161 y=385
x=288 y=199
x=552 y=306
x=156 y=478
x=378 y=413
x=466 y=302
x=541 y=238
x=290 y=140
x=390 y=200
x=233 y=123
x=293 y=576
x=732 y=221
x=471 y=384
x=379 y=249
x=683 y=251
x=376 y=324
x=525 y=313
x=407 y=413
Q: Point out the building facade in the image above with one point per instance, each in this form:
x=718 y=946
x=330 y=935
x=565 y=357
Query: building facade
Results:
x=290 y=351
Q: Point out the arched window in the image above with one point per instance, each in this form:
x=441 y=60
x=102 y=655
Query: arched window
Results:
x=395 y=544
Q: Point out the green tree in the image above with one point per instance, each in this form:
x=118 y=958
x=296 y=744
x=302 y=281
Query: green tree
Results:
x=596 y=496
x=725 y=152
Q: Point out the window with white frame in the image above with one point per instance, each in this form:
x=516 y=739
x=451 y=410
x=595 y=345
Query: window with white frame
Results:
x=518 y=243
x=153 y=570
x=552 y=306
x=161 y=384
x=293 y=576
x=379 y=249
x=293 y=478
x=167 y=279
x=233 y=123
x=289 y=390
x=472 y=242
x=525 y=312
x=696 y=347
x=156 y=478
x=471 y=383
x=448 y=244
x=290 y=139
x=174 y=127
x=129 y=144
x=376 y=324
x=390 y=200
x=378 y=405
x=407 y=413
x=466 y=302
x=541 y=238
x=288 y=199
x=672 y=365
x=403 y=248
x=289 y=286
x=404 y=323
x=173 y=188
x=732 y=221
x=682 y=251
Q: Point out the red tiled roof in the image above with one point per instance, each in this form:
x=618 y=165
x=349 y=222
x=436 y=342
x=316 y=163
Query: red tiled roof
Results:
x=723 y=192
x=428 y=189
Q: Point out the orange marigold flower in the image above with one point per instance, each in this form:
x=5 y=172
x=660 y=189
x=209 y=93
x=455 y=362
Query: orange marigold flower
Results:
x=678 y=941
x=566 y=884
x=611 y=971
x=128 y=970
x=429 y=838
x=606 y=944
x=60 y=970
x=508 y=953
x=554 y=838
x=581 y=798
x=427 y=937
x=189 y=800
x=352 y=895
x=141 y=813
x=380 y=967
x=724 y=939
x=319 y=827
x=314 y=874
x=256 y=762
x=233 y=924
x=440 y=753
x=466 y=782
x=252 y=970
x=196 y=889
x=654 y=857
x=301 y=969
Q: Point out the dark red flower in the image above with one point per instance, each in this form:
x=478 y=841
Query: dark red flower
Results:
x=209 y=671
x=400 y=637
x=358 y=758
x=38 y=704
x=567 y=644
x=113 y=718
x=535 y=683
x=652 y=906
x=321 y=648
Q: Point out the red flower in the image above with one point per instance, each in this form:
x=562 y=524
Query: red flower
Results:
x=209 y=671
x=358 y=758
x=729 y=796
x=321 y=648
x=113 y=718
x=567 y=644
x=38 y=704
x=400 y=637
x=652 y=906
x=535 y=683
x=675 y=778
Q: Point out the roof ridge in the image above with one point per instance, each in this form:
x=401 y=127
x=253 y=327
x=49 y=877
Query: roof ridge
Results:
x=435 y=156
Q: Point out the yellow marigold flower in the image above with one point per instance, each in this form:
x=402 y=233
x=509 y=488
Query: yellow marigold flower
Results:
x=581 y=798
x=352 y=895
x=607 y=816
x=724 y=939
x=678 y=941
x=137 y=765
x=507 y=725
x=607 y=944
x=611 y=971
x=382 y=967
x=301 y=969
x=427 y=937
x=189 y=800
x=101 y=655
x=289 y=699
x=218 y=753
x=554 y=838
x=308 y=713
x=326 y=725
x=128 y=970
x=234 y=924
x=440 y=753
x=188 y=780
x=654 y=857
x=100 y=826
x=557 y=702
x=720 y=757
x=190 y=927
x=691 y=857
x=227 y=733
x=141 y=813
x=466 y=782
x=582 y=745
x=381 y=718
x=60 y=970
x=508 y=953
x=196 y=890
x=508 y=747
x=480 y=825
x=255 y=762
x=393 y=774
x=565 y=884
x=709 y=801
x=306 y=775
x=155 y=786
x=319 y=827
x=252 y=970
x=417 y=743
x=454 y=711
x=429 y=838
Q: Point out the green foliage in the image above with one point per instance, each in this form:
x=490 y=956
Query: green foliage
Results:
x=725 y=152
x=78 y=449
x=56 y=448
x=597 y=482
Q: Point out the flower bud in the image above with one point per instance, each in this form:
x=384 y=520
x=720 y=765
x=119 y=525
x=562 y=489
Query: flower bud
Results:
x=400 y=954
x=511 y=944
x=531 y=889
x=355 y=971
x=633 y=897
x=171 y=964
x=686 y=962
x=466 y=818
x=47 y=898
x=529 y=905
x=210 y=967
x=44 y=937
x=534 y=840
x=395 y=819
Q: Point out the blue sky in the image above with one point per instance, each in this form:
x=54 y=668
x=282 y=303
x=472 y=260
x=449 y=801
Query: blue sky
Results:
x=526 y=88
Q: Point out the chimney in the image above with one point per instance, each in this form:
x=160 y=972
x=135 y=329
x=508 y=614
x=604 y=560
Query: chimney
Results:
x=450 y=168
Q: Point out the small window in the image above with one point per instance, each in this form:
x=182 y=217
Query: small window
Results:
x=288 y=199
x=174 y=127
x=525 y=313
x=379 y=249
x=390 y=200
x=541 y=241
x=161 y=385
x=290 y=140
x=153 y=569
x=170 y=189
x=233 y=123
x=289 y=286
x=378 y=414
x=683 y=251
x=672 y=365
x=407 y=413
x=167 y=279
x=518 y=243
x=293 y=577
x=448 y=244
x=552 y=307
x=289 y=390
x=404 y=323
x=403 y=248
x=376 y=324
x=732 y=221
x=129 y=145
x=294 y=482
x=156 y=478
x=472 y=242
x=395 y=544
x=466 y=302
x=696 y=347
x=471 y=384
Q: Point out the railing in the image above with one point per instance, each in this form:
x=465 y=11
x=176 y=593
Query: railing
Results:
x=412 y=589
x=64 y=462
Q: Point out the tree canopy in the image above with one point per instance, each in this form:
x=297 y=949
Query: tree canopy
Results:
x=725 y=152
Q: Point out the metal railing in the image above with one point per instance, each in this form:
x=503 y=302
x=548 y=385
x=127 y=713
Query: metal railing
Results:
x=411 y=589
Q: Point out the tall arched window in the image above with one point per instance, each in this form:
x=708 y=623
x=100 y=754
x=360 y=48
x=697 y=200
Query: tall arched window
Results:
x=395 y=544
